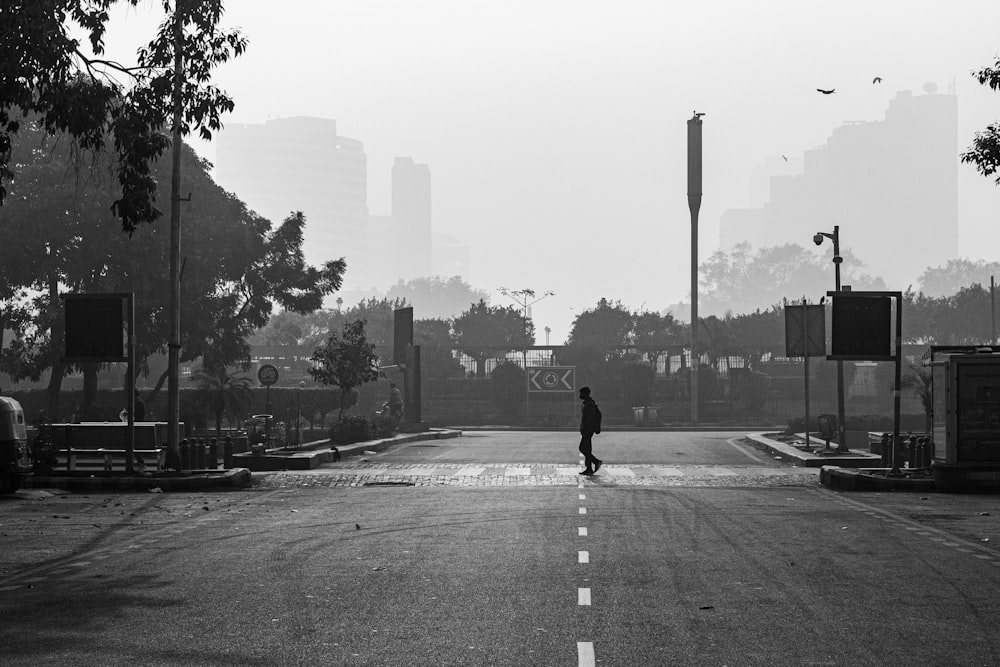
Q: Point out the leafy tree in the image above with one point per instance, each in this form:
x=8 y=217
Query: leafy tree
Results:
x=490 y=332
x=346 y=361
x=598 y=335
x=985 y=149
x=655 y=333
x=222 y=393
x=57 y=235
x=956 y=274
x=47 y=74
x=435 y=297
x=437 y=357
x=758 y=333
x=379 y=316
x=747 y=280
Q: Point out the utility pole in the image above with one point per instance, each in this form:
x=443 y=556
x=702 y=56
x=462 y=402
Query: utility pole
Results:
x=694 y=205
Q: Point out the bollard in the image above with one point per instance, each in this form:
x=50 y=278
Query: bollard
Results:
x=201 y=454
x=227 y=453
x=213 y=455
x=185 y=448
x=336 y=453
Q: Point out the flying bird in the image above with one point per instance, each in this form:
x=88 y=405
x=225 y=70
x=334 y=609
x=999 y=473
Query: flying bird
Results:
x=826 y=92
x=877 y=79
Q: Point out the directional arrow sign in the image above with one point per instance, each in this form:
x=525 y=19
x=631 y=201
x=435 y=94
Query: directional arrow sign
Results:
x=552 y=378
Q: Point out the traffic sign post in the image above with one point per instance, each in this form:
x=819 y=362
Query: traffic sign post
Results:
x=267 y=375
x=552 y=380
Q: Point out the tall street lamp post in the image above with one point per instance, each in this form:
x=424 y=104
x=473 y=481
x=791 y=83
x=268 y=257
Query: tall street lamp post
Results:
x=837 y=260
x=694 y=205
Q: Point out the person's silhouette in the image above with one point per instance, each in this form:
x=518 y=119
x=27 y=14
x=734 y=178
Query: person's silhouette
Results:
x=590 y=423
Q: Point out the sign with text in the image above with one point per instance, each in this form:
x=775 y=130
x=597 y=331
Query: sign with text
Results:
x=552 y=378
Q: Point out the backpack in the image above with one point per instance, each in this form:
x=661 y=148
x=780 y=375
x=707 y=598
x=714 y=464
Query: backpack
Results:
x=597 y=419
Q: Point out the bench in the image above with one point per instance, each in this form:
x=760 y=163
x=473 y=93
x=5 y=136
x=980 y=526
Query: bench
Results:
x=109 y=455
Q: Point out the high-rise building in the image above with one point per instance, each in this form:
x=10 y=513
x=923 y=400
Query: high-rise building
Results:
x=411 y=217
x=891 y=186
x=302 y=164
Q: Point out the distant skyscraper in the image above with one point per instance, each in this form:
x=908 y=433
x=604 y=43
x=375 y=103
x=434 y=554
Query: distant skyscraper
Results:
x=302 y=164
x=411 y=217
x=891 y=185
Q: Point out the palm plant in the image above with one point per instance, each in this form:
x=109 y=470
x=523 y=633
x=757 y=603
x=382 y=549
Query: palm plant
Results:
x=222 y=393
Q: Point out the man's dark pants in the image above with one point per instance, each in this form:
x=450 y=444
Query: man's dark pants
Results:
x=586 y=446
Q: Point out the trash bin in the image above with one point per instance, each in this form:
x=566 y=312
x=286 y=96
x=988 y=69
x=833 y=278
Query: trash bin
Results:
x=827 y=426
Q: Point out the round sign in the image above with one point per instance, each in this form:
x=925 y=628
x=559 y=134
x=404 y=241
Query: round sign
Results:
x=267 y=374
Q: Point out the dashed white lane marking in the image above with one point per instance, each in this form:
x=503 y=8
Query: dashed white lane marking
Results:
x=518 y=471
x=583 y=597
x=469 y=471
x=583 y=510
x=583 y=557
x=583 y=496
x=585 y=654
x=582 y=531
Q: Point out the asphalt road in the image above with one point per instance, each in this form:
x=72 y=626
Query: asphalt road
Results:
x=718 y=565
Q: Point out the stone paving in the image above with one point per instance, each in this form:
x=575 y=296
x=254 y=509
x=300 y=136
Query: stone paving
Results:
x=514 y=474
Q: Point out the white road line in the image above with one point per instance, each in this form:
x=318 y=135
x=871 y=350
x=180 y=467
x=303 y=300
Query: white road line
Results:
x=583 y=496
x=516 y=471
x=583 y=557
x=581 y=531
x=583 y=510
x=469 y=471
x=585 y=654
x=745 y=451
x=583 y=596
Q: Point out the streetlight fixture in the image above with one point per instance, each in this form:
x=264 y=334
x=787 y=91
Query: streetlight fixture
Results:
x=520 y=297
x=298 y=413
x=837 y=260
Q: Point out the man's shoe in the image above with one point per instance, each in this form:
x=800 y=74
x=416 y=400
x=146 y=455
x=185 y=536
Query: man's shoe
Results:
x=597 y=466
x=586 y=472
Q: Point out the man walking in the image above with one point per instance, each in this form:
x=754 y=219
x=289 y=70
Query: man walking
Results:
x=590 y=423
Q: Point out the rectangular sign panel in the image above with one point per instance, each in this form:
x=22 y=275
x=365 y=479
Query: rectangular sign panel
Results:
x=95 y=327
x=552 y=378
x=862 y=327
x=808 y=338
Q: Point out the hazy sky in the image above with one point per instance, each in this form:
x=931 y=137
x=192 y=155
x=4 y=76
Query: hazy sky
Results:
x=555 y=130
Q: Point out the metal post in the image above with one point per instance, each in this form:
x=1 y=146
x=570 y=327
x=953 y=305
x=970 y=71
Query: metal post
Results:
x=841 y=419
x=896 y=387
x=993 y=313
x=130 y=386
x=694 y=205
x=805 y=361
x=298 y=414
x=174 y=317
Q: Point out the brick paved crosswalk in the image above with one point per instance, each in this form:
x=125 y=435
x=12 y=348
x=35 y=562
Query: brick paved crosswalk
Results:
x=514 y=474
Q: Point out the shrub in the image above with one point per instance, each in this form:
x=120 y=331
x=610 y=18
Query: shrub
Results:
x=351 y=429
x=383 y=426
x=637 y=379
x=509 y=384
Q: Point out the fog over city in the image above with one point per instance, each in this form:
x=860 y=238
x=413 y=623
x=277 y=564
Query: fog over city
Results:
x=554 y=134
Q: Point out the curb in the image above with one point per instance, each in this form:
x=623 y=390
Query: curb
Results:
x=863 y=479
x=197 y=480
x=795 y=455
x=309 y=459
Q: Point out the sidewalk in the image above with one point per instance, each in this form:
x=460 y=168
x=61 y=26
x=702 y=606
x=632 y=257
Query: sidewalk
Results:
x=240 y=476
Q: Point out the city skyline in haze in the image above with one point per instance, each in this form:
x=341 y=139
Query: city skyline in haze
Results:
x=556 y=132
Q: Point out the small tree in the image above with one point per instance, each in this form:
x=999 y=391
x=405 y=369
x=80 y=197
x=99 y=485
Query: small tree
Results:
x=221 y=392
x=346 y=361
x=510 y=388
x=637 y=383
